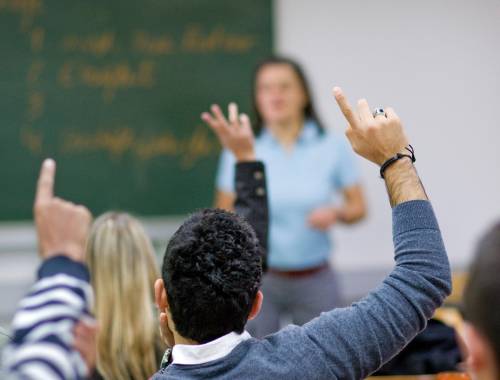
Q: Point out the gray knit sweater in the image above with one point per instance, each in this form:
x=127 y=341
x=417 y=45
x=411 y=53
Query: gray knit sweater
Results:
x=352 y=342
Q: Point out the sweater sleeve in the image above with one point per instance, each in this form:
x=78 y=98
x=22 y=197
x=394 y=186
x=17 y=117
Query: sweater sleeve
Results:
x=353 y=342
x=251 y=200
x=42 y=344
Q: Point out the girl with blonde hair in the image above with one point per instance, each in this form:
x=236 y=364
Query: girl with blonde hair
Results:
x=123 y=269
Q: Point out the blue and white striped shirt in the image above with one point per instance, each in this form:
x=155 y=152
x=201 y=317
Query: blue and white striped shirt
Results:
x=42 y=345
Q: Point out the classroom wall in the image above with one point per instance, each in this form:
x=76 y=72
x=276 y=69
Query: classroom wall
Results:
x=437 y=64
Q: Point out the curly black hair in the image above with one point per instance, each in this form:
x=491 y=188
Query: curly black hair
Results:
x=212 y=271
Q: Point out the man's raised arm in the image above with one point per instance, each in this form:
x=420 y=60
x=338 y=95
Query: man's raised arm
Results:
x=353 y=342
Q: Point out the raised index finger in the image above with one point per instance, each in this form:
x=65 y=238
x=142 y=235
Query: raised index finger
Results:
x=345 y=107
x=45 y=186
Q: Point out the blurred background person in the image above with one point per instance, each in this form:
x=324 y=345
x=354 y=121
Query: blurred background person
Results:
x=481 y=309
x=123 y=269
x=307 y=164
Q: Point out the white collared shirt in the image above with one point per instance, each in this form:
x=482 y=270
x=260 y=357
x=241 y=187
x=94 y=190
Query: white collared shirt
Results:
x=202 y=353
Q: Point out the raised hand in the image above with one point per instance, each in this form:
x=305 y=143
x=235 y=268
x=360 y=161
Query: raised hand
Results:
x=374 y=138
x=62 y=226
x=235 y=134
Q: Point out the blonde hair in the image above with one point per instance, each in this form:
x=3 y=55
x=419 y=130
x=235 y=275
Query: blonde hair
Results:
x=123 y=270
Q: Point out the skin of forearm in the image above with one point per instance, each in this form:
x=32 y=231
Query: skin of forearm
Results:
x=350 y=213
x=245 y=156
x=403 y=183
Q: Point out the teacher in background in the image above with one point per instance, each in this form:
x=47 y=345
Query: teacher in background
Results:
x=306 y=164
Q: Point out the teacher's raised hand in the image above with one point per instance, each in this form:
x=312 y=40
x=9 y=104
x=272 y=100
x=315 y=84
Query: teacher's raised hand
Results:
x=62 y=226
x=234 y=134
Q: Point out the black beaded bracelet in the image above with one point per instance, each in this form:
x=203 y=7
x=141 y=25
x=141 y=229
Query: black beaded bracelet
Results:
x=398 y=156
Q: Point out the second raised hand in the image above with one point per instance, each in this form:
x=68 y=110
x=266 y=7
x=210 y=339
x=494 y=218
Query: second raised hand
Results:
x=62 y=227
x=235 y=134
x=374 y=138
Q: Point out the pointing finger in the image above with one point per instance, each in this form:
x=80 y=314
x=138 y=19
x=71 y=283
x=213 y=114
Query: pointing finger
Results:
x=45 y=186
x=345 y=107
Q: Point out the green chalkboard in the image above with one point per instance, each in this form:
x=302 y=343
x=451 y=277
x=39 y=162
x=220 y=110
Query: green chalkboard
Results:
x=113 y=90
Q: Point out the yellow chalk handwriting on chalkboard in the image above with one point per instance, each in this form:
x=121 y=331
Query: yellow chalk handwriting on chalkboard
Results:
x=144 y=42
x=111 y=78
x=65 y=75
x=37 y=39
x=195 y=40
x=164 y=144
x=36 y=105
x=115 y=142
x=35 y=71
x=27 y=10
x=120 y=141
x=97 y=44
x=32 y=139
x=189 y=149
x=199 y=145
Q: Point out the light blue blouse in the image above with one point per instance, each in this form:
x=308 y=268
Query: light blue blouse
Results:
x=298 y=181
